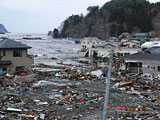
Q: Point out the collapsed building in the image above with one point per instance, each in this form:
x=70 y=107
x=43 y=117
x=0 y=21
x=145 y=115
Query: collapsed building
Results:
x=99 y=50
x=89 y=42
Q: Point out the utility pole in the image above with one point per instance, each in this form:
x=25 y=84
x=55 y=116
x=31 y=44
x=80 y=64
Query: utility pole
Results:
x=108 y=85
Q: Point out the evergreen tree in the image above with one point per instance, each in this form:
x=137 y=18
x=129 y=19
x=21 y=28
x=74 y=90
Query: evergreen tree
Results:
x=55 y=33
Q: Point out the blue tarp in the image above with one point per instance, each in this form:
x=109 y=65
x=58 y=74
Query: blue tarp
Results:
x=73 y=39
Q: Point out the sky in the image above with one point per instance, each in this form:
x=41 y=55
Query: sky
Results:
x=41 y=16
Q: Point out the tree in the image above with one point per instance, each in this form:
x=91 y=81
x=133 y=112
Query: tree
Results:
x=50 y=33
x=113 y=30
x=93 y=8
x=55 y=33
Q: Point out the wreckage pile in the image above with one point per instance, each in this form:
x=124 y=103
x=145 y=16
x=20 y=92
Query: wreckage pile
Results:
x=140 y=91
x=68 y=73
x=15 y=106
x=72 y=93
x=40 y=95
x=53 y=91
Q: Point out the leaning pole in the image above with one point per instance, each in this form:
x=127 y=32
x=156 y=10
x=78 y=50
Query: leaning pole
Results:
x=108 y=85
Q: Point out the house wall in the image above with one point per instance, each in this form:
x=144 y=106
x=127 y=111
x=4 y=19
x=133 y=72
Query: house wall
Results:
x=25 y=60
x=89 y=43
x=142 y=37
x=148 y=67
x=101 y=52
x=126 y=51
x=151 y=67
x=130 y=44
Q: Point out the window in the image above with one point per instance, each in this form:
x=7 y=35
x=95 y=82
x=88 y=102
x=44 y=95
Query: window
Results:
x=93 y=46
x=153 y=68
x=4 y=53
x=158 y=68
x=17 y=53
x=121 y=54
x=20 y=68
x=88 y=42
x=135 y=64
x=126 y=53
x=5 y=69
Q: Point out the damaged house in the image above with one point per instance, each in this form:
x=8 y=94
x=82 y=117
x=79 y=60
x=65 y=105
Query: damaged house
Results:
x=89 y=42
x=131 y=44
x=99 y=51
x=128 y=48
x=14 y=57
x=126 y=51
x=143 y=63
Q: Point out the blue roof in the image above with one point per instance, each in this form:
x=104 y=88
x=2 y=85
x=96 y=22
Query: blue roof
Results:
x=73 y=39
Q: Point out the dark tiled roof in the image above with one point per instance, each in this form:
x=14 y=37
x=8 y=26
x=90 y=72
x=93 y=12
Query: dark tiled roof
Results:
x=6 y=43
x=5 y=62
x=143 y=56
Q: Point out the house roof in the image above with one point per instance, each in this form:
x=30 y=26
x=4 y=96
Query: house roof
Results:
x=106 y=44
x=150 y=44
x=134 y=40
x=6 y=43
x=142 y=57
x=153 y=50
x=141 y=34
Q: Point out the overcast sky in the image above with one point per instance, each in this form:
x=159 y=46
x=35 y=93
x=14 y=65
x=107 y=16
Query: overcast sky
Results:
x=40 y=16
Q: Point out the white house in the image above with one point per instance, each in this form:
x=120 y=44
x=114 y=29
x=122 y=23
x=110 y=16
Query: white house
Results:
x=99 y=50
x=89 y=42
x=125 y=51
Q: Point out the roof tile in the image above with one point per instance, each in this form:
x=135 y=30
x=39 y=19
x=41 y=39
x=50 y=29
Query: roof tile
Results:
x=6 y=43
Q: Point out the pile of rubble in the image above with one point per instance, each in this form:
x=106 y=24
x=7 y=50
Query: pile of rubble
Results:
x=16 y=106
x=72 y=93
x=68 y=73
x=141 y=91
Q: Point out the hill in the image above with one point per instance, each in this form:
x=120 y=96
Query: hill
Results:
x=112 y=19
x=2 y=29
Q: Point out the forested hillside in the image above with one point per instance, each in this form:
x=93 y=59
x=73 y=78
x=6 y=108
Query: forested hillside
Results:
x=112 y=19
